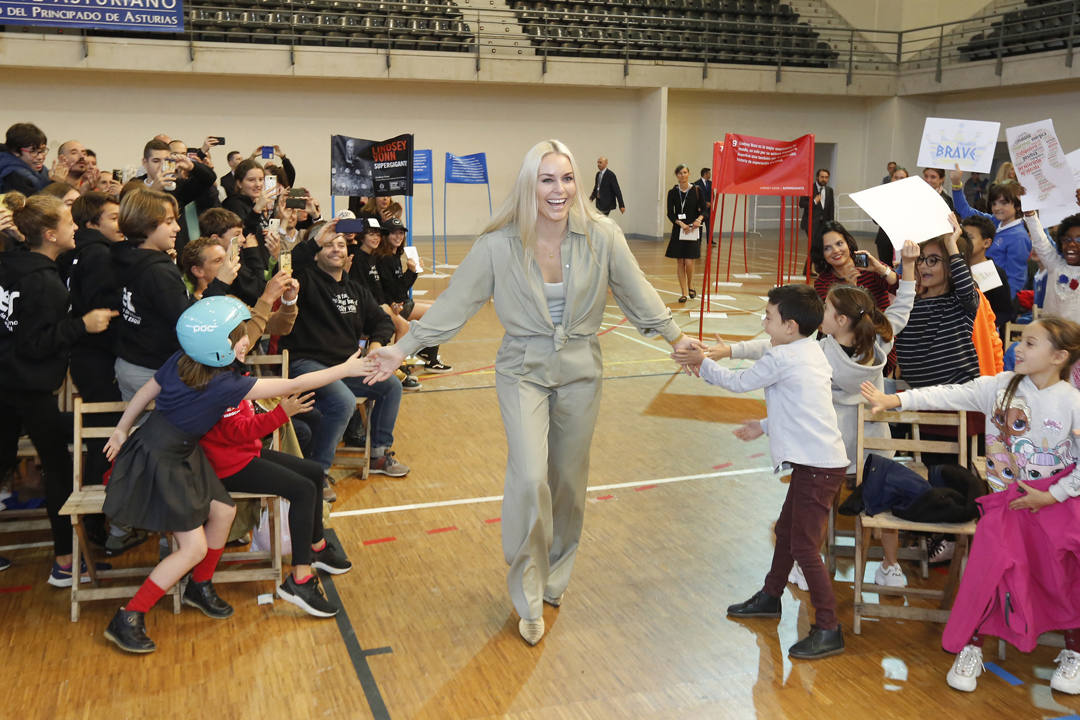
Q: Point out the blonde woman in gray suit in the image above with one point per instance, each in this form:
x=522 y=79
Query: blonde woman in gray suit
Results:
x=548 y=259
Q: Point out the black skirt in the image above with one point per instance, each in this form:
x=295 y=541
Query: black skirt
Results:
x=683 y=248
x=161 y=480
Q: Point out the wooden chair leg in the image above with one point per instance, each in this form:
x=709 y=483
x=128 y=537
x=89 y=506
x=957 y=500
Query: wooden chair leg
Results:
x=862 y=544
x=91 y=565
x=367 y=405
x=276 y=517
x=955 y=567
x=74 y=565
x=924 y=557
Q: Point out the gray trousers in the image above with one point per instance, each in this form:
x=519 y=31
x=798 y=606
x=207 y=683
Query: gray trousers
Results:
x=549 y=402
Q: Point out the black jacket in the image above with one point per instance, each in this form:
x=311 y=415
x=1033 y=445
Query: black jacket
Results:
x=190 y=190
x=36 y=331
x=821 y=215
x=396 y=282
x=332 y=316
x=92 y=283
x=365 y=271
x=606 y=192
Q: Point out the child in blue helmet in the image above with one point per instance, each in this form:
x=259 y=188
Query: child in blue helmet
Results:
x=161 y=480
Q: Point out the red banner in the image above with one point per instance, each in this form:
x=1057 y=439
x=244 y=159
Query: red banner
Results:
x=760 y=166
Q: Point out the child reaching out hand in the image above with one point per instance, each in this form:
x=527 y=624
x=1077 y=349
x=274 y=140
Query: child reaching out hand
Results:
x=803 y=436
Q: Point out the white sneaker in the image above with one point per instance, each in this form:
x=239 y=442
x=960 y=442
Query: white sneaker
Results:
x=796 y=577
x=531 y=630
x=1066 y=677
x=966 y=669
x=890 y=575
x=942 y=552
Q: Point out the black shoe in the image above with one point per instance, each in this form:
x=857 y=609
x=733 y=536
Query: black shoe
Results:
x=682 y=298
x=128 y=630
x=307 y=596
x=204 y=597
x=119 y=544
x=761 y=605
x=693 y=293
x=818 y=644
x=4 y=563
x=331 y=559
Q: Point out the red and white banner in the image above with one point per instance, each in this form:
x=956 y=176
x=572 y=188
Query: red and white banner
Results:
x=751 y=165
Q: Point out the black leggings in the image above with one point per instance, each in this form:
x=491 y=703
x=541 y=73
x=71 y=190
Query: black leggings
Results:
x=50 y=433
x=297 y=480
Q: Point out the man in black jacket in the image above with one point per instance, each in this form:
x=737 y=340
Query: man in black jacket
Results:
x=336 y=316
x=187 y=182
x=606 y=190
x=824 y=211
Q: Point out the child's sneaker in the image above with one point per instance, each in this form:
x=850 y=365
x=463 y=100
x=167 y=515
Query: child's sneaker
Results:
x=385 y=464
x=4 y=563
x=966 y=669
x=331 y=559
x=890 y=575
x=61 y=577
x=797 y=578
x=942 y=552
x=1066 y=677
x=307 y=595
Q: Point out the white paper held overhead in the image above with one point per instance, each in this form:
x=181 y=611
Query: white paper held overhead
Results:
x=947 y=143
x=907 y=209
x=1040 y=166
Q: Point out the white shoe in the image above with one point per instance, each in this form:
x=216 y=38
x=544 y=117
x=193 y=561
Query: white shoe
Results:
x=1066 y=677
x=531 y=630
x=966 y=669
x=890 y=575
x=796 y=576
x=553 y=600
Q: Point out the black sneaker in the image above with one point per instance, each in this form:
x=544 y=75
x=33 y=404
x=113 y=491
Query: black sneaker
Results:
x=818 y=644
x=307 y=595
x=116 y=545
x=4 y=563
x=332 y=559
x=411 y=384
x=761 y=605
x=203 y=596
x=128 y=630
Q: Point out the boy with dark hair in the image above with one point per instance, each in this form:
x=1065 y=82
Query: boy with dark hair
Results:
x=977 y=238
x=223 y=227
x=22 y=161
x=803 y=436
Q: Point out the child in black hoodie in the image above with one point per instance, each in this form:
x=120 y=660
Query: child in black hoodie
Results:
x=36 y=337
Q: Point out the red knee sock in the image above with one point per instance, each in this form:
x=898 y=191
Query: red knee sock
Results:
x=148 y=594
x=205 y=569
x=1072 y=640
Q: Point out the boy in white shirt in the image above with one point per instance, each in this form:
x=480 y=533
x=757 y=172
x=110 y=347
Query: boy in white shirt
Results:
x=803 y=436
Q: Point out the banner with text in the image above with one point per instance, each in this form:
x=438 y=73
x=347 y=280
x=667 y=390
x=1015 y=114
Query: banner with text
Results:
x=947 y=143
x=1040 y=164
x=371 y=168
x=133 y=15
x=760 y=166
x=466 y=169
x=422 y=170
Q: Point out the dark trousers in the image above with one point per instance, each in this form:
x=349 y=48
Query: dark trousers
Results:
x=799 y=532
x=50 y=433
x=297 y=480
x=94 y=375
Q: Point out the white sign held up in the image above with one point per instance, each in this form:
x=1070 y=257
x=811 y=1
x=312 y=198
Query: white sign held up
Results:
x=1040 y=166
x=947 y=143
x=907 y=209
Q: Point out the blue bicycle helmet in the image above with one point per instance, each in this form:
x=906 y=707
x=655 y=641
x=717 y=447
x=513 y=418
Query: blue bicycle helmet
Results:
x=203 y=329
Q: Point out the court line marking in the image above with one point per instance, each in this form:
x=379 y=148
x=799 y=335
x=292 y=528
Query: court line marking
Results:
x=654 y=346
x=498 y=498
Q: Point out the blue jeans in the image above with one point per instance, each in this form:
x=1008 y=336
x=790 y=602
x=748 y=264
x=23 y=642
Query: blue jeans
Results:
x=337 y=401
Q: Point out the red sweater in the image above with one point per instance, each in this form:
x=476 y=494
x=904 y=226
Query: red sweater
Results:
x=236 y=440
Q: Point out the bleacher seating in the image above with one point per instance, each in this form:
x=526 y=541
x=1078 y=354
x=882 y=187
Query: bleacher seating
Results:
x=758 y=32
x=1040 y=26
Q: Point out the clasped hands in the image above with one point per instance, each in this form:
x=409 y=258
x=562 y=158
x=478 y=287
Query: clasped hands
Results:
x=690 y=353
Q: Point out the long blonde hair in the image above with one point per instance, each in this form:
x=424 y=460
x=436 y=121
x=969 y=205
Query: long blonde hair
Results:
x=519 y=208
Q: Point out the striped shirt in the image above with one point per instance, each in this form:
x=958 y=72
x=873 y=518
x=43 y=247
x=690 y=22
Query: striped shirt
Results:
x=936 y=346
x=868 y=280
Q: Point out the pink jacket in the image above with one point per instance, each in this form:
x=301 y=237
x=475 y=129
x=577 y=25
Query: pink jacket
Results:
x=1023 y=572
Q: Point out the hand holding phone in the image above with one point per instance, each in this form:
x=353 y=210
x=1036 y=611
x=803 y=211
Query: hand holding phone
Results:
x=267 y=151
x=861 y=260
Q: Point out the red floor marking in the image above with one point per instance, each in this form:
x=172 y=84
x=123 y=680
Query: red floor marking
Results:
x=721 y=466
x=490 y=521
x=380 y=540
x=616 y=325
x=442 y=530
x=15 y=589
x=644 y=487
x=605 y=497
x=943 y=569
x=757 y=455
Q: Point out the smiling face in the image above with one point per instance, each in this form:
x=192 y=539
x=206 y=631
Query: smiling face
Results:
x=164 y=235
x=108 y=223
x=898 y=174
x=331 y=258
x=555 y=188
x=933 y=179
x=779 y=331
x=1035 y=353
x=396 y=238
x=371 y=240
x=833 y=322
x=34 y=156
x=1070 y=245
x=1003 y=210
x=836 y=249
x=683 y=176
x=251 y=185
x=65 y=231
x=930 y=270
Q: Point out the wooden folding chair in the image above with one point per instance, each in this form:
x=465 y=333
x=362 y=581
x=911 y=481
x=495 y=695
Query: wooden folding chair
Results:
x=864 y=523
x=1013 y=330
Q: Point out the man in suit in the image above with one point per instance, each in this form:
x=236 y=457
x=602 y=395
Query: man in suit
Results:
x=824 y=211
x=606 y=190
x=704 y=184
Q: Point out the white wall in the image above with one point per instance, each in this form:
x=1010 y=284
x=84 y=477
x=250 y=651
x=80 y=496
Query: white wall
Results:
x=893 y=15
x=1015 y=106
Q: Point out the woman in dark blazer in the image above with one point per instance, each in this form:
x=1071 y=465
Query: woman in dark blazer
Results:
x=686 y=211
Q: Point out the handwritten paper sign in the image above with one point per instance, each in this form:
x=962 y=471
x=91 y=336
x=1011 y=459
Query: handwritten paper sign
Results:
x=1040 y=166
x=986 y=275
x=947 y=143
x=907 y=209
x=1054 y=215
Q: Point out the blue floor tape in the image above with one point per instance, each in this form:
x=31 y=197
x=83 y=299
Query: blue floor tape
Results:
x=1003 y=674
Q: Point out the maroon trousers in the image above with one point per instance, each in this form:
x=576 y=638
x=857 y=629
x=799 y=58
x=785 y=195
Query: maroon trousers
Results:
x=799 y=533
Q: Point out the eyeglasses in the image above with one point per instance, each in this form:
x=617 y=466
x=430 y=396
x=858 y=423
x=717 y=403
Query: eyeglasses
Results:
x=928 y=260
x=36 y=152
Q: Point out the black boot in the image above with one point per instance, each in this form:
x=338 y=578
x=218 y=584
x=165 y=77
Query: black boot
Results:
x=203 y=596
x=128 y=630
x=761 y=605
x=818 y=644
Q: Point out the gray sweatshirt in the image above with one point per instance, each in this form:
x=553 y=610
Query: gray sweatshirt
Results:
x=1037 y=438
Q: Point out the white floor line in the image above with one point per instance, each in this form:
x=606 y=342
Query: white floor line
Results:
x=26 y=546
x=661 y=348
x=498 y=498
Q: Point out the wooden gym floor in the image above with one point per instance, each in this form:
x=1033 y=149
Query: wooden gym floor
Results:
x=678 y=526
